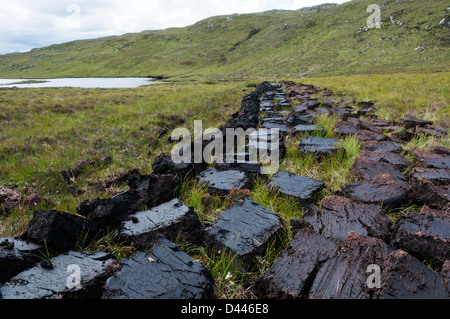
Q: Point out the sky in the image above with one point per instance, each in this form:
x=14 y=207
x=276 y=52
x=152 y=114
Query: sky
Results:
x=28 y=24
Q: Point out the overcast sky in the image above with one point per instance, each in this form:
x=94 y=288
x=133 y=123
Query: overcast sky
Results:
x=27 y=24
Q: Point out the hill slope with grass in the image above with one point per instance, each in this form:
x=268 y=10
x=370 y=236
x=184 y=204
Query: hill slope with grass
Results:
x=319 y=41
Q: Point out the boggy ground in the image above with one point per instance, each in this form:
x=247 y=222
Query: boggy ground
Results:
x=335 y=171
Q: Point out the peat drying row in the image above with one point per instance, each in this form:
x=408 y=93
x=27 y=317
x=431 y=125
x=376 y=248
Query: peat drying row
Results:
x=334 y=243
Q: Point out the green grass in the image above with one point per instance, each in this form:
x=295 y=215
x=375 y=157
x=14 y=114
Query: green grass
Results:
x=225 y=269
x=285 y=206
x=109 y=243
x=425 y=96
x=207 y=206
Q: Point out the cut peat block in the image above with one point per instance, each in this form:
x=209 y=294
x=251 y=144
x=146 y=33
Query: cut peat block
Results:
x=49 y=279
x=431 y=178
x=275 y=119
x=295 y=185
x=110 y=211
x=265 y=141
x=426 y=235
x=16 y=256
x=283 y=128
x=319 y=141
x=300 y=109
x=435 y=175
x=59 y=231
x=412 y=123
x=318 y=268
x=149 y=190
x=265 y=135
x=344 y=112
x=381 y=190
x=439 y=159
x=294 y=119
x=368 y=169
x=385 y=146
x=436 y=131
x=435 y=197
x=320 y=147
x=345 y=128
x=244 y=230
x=405 y=277
x=301 y=128
x=366 y=135
x=344 y=276
x=164 y=273
x=172 y=220
x=340 y=216
x=396 y=160
x=291 y=274
x=267 y=104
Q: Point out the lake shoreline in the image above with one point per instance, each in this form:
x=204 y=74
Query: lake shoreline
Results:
x=89 y=82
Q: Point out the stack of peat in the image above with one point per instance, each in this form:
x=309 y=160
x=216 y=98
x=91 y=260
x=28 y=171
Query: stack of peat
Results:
x=335 y=245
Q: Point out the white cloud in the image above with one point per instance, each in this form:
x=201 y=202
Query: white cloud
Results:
x=25 y=24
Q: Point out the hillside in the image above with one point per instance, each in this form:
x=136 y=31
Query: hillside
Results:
x=318 y=41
